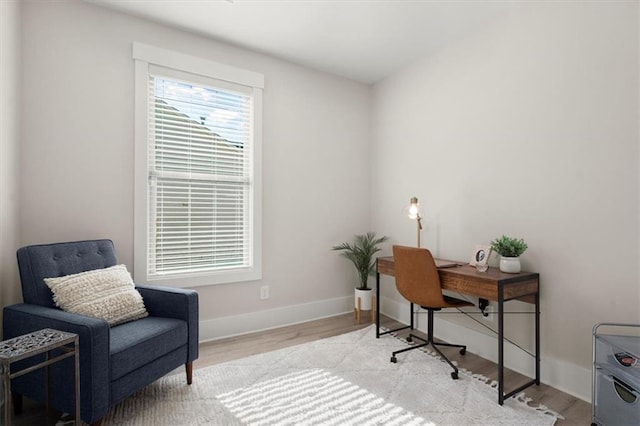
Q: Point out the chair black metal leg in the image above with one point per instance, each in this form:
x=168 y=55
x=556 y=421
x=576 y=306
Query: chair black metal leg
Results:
x=454 y=374
x=410 y=338
x=463 y=348
x=413 y=336
x=429 y=342
x=430 y=325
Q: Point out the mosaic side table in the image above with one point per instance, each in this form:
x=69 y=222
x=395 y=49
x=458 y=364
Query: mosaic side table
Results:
x=32 y=344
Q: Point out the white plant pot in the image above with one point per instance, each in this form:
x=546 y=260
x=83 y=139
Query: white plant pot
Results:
x=510 y=265
x=365 y=299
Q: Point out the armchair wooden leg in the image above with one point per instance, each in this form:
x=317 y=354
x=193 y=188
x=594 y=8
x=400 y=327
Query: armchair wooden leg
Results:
x=16 y=399
x=189 y=367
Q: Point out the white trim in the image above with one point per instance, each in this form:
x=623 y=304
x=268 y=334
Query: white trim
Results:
x=256 y=215
x=570 y=378
x=251 y=322
x=140 y=172
x=145 y=57
x=193 y=64
x=190 y=78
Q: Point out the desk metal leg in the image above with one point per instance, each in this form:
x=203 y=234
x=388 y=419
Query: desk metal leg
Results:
x=500 y=345
x=538 y=338
x=377 y=304
x=378 y=334
x=501 y=393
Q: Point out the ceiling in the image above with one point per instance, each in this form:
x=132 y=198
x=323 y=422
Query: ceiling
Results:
x=364 y=40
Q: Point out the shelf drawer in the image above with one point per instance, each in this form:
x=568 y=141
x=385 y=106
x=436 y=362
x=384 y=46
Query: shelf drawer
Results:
x=620 y=355
x=616 y=402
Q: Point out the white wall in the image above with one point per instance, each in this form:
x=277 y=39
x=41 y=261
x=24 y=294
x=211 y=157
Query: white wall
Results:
x=76 y=171
x=528 y=128
x=9 y=148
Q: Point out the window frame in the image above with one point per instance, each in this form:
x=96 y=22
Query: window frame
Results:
x=146 y=57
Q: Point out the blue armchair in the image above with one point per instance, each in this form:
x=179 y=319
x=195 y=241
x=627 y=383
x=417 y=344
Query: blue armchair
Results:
x=115 y=362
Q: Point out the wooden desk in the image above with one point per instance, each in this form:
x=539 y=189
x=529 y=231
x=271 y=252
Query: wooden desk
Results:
x=491 y=285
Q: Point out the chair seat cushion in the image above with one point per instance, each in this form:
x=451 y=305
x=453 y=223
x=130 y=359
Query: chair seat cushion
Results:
x=137 y=343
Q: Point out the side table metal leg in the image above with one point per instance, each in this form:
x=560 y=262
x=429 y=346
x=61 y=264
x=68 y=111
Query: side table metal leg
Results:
x=6 y=382
x=76 y=378
x=48 y=390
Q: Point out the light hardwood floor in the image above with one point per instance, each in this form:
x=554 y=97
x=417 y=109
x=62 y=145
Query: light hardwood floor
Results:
x=575 y=411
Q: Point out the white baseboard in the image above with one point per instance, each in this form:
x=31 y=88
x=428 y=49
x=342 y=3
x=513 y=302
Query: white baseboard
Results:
x=251 y=322
x=569 y=378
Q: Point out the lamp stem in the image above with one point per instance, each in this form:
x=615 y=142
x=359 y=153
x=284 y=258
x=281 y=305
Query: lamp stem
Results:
x=419 y=222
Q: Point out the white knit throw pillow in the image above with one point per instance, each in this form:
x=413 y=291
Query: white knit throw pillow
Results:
x=107 y=293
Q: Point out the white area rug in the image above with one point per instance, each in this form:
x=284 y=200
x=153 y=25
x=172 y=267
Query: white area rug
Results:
x=343 y=380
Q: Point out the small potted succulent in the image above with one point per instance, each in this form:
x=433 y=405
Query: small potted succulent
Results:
x=360 y=252
x=510 y=250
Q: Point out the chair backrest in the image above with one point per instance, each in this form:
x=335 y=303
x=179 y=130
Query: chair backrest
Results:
x=417 y=276
x=55 y=260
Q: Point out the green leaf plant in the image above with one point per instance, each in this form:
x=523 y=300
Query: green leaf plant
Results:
x=360 y=252
x=509 y=247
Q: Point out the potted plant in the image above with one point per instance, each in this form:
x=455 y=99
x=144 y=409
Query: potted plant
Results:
x=510 y=250
x=360 y=252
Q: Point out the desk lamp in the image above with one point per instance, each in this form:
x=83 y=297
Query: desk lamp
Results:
x=414 y=211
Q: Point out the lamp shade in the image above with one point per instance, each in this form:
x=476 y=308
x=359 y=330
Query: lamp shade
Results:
x=413 y=209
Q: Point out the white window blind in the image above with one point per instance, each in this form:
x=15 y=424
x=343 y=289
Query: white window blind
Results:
x=198 y=155
x=200 y=176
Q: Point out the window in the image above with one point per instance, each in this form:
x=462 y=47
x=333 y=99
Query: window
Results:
x=197 y=165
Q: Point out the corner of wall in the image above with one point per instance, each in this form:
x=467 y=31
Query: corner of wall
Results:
x=10 y=106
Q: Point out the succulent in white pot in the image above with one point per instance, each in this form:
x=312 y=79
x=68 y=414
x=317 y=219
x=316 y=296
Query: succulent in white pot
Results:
x=510 y=249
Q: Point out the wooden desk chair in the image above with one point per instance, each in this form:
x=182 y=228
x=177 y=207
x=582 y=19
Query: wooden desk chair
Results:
x=418 y=281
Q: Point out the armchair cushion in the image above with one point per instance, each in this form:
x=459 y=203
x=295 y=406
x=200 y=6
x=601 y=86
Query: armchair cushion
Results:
x=137 y=343
x=107 y=293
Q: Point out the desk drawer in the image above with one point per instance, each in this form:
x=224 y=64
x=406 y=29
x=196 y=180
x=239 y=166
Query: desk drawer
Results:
x=616 y=402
